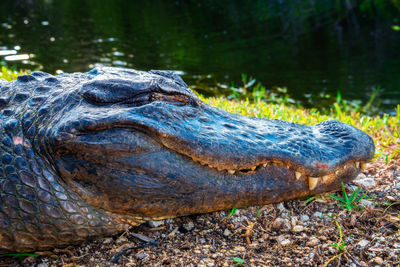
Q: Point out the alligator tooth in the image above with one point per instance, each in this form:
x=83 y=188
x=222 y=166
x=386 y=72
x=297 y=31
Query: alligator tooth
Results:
x=357 y=164
x=298 y=175
x=265 y=164
x=312 y=182
x=363 y=165
x=231 y=171
x=253 y=168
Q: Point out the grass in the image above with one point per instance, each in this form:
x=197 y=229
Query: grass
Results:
x=238 y=261
x=349 y=202
x=10 y=73
x=339 y=245
x=232 y=212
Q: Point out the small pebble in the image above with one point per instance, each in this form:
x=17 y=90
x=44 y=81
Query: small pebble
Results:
x=107 y=240
x=142 y=256
x=281 y=207
x=304 y=218
x=294 y=221
x=317 y=215
x=227 y=232
x=363 y=243
x=121 y=239
x=366 y=182
x=367 y=203
x=298 y=228
x=281 y=224
x=188 y=226
x=312 y=242
x=378 y=260
x=155 y=224
x=240 y=249
x=283 y=241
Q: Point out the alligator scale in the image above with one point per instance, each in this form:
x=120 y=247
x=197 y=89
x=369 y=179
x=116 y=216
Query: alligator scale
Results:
x=85 y=155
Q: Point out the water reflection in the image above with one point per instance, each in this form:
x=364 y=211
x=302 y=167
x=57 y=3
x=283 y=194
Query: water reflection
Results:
x=7 y=52
x=17 y=57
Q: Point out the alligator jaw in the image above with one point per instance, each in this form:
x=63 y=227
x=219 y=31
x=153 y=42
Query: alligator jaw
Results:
x=144 y=178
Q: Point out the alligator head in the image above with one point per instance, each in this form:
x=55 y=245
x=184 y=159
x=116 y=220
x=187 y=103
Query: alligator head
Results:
x=143 y=144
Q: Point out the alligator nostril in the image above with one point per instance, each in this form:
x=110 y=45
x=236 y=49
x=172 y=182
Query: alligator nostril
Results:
x=230 y=126
x=204 y=119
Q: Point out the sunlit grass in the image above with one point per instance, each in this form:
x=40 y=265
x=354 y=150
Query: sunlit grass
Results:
x=10 y=74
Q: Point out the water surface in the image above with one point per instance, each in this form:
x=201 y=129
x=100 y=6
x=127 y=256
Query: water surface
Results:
x=311 y=47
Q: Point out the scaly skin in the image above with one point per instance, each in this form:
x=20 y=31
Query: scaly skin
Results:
x=85 y=155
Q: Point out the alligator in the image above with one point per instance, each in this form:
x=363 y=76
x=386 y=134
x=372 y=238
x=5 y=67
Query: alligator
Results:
x=86 y=155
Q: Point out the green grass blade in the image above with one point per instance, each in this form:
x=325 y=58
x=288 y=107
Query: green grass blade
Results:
x=232 y=212
x=355 y=194
x=344 y=193
x=337 y=198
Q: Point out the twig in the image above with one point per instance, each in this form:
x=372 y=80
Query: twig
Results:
x=117 y=257
x=333 y=258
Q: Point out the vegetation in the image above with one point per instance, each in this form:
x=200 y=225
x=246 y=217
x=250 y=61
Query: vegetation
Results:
x=238 y=261
x=349 y=202
x=339 y=245
x=232 y=212
x=10 y=73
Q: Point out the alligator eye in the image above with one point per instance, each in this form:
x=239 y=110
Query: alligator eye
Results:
x=136 y=93
x=173 y=98
x=112 y=91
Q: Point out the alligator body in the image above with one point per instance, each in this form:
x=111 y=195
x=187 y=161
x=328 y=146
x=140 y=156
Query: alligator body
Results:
x=85 y=155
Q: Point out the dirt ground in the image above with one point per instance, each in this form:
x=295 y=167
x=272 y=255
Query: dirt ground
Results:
x=293 y=233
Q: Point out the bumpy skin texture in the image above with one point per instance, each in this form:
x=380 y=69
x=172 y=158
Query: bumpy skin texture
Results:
x=88 y=154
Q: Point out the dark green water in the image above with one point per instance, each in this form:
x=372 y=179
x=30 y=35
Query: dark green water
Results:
x=309 y=46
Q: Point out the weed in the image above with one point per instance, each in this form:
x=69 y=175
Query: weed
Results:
x=232 y=212
x=349 y=203
x=309 y=199
x=340 y=244
x=238 y=261
x=10 y=73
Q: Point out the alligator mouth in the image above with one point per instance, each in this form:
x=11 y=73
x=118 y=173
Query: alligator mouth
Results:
x=299 y=172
